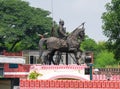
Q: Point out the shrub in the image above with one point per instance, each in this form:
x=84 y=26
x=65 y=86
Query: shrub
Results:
x=34 y=75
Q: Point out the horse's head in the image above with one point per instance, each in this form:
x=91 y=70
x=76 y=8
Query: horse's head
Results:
x=80 y=32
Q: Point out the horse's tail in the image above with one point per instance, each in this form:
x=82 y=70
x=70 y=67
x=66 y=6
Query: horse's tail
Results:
x=42 y=46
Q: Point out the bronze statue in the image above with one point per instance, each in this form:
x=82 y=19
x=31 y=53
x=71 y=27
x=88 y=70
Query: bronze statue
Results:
x=70 y=44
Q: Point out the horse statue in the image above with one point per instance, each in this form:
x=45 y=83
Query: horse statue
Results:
x=71 y=44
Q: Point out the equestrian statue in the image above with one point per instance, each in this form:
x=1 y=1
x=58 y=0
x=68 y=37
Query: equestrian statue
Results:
x=66 y=43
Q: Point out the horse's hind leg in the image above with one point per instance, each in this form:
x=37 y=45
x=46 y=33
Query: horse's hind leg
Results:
x=40 y=56
x=51 y=54
x=45 y=57
x=58 y=58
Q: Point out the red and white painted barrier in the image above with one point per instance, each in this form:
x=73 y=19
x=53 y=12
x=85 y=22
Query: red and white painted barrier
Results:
x=51 y=67
x=53 y=72
x=68 y=84
x=104 y=77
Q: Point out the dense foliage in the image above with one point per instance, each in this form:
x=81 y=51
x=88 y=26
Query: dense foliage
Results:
x=19 y=24
x=102 y=56
x=89 y=44
x=111 y=26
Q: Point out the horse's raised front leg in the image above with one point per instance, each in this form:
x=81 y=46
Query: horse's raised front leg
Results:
x=78 y=55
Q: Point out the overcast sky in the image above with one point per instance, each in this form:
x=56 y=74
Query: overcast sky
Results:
x=74 y=12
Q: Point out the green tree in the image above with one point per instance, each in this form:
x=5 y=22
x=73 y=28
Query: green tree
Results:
x=104 y=58
x=89 y=44
x=19 y=24
x=111 y=26
x=101 y=46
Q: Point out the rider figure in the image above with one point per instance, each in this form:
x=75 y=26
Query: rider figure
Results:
x=61 y=30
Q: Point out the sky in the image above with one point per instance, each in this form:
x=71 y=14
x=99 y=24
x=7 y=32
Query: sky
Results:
x=75 y=12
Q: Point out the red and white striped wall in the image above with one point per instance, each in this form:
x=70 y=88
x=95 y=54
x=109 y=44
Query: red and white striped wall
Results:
x=21 y=72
